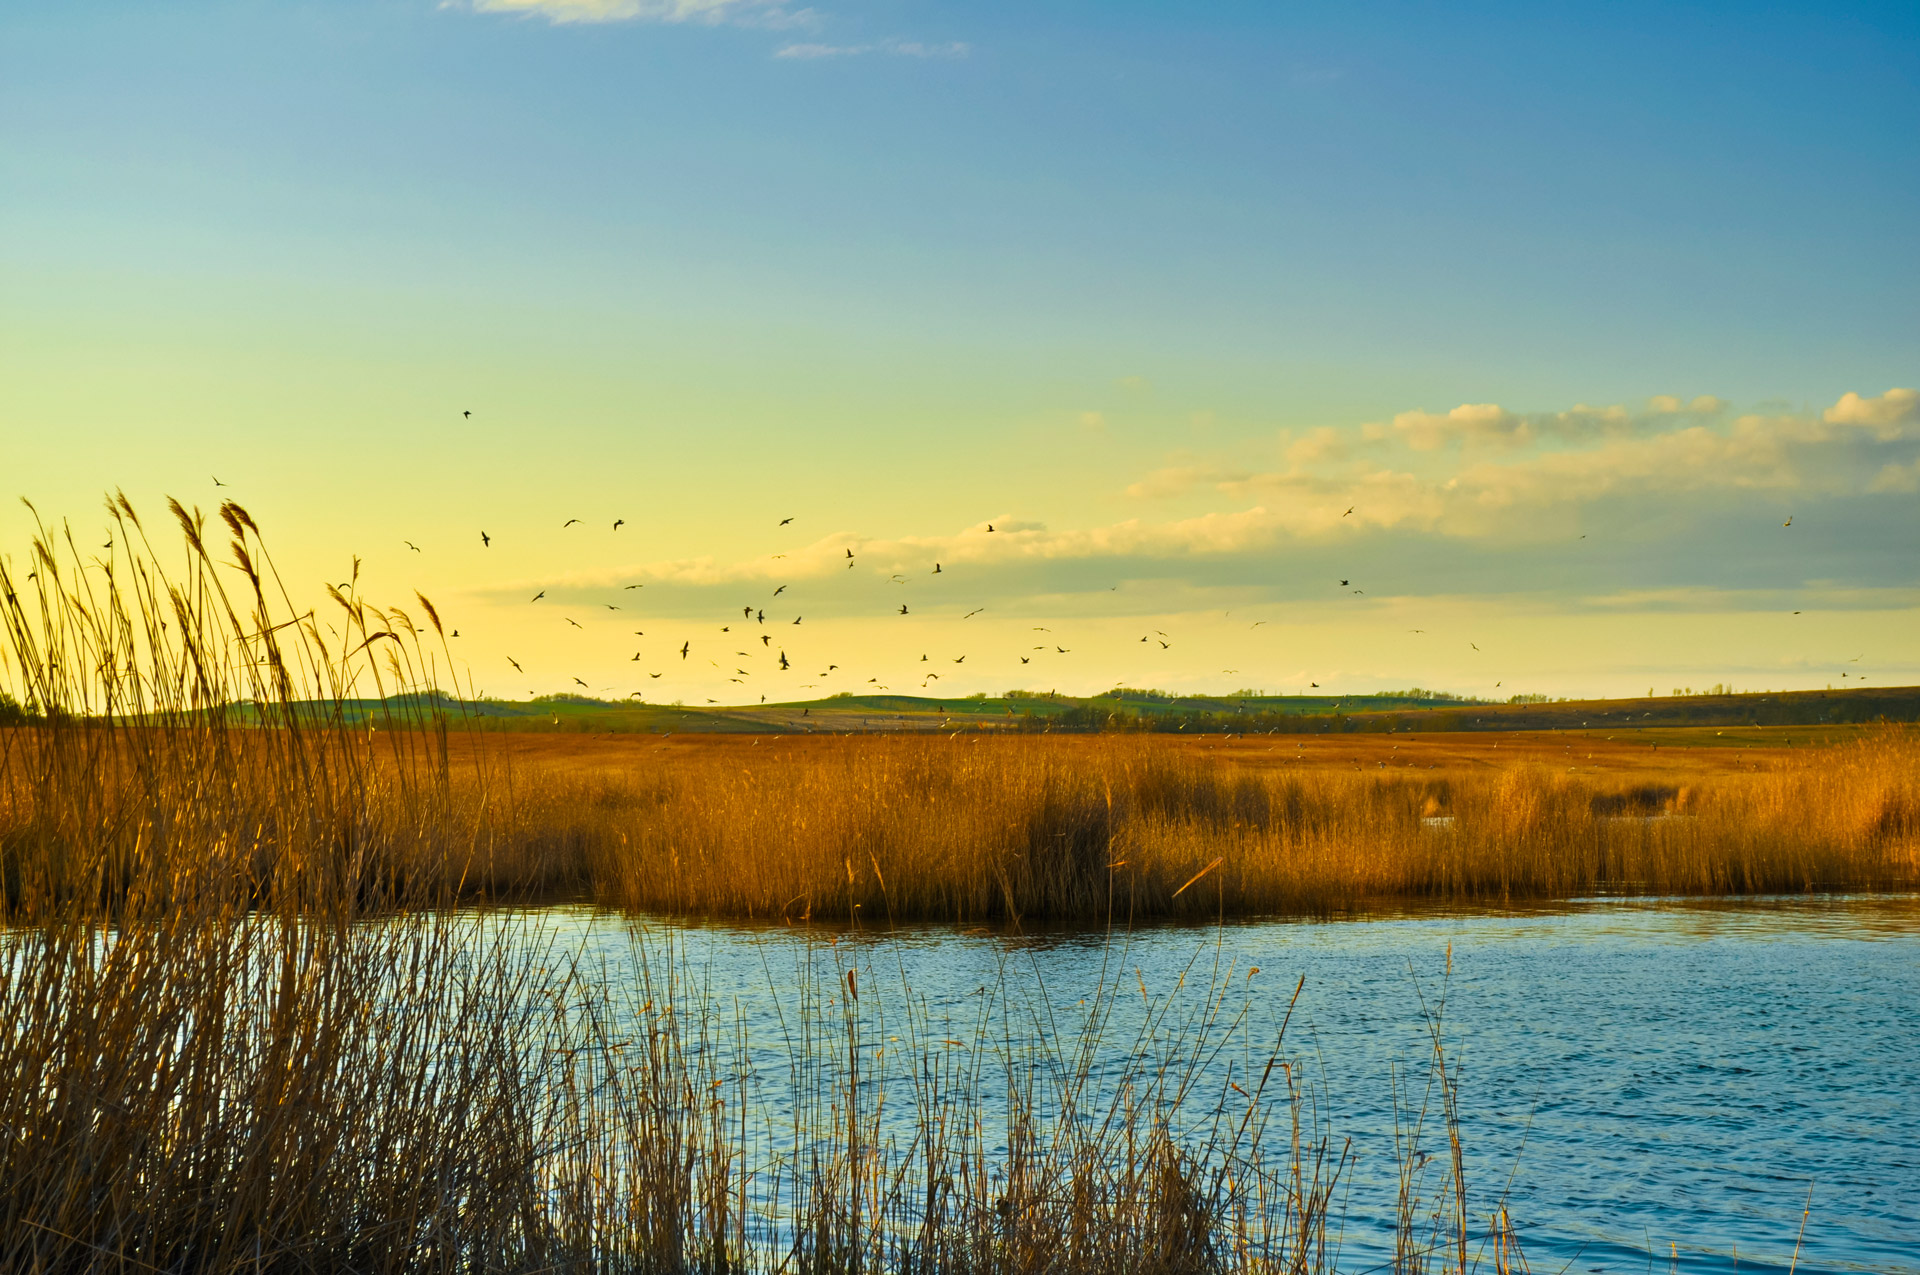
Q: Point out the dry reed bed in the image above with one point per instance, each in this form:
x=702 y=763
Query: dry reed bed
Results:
x=1011 y=828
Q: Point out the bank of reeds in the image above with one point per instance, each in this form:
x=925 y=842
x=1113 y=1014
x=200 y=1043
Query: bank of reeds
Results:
x=1010 y=828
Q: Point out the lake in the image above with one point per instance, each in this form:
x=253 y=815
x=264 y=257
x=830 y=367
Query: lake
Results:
x=1660 y=1081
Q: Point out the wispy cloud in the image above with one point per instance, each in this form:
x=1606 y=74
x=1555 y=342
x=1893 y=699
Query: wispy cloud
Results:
x=897 y=48
x=762 y=13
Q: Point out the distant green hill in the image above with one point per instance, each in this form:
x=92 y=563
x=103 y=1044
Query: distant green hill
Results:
x=1145 y=711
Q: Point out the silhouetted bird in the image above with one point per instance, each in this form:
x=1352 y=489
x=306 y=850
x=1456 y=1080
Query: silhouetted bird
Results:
x=782 y=589
x=989 y=526
x=636 y=586
x=1349 y=510
x=759 y=617
x=536 y=597
x=1025 y=660
x=783 y=661
x=976 y=611
x=785 y=521
x=568 y=523
x=516 y=664
x=961 y=659
x=1345 y=583
x=747 y=612
x=609 y=606
x=485 y=540
x=467 y=415
x=1788 y=522
x=796 y=619
x=684 y=647
x=903 y=608
x=1061 y=649
x=936 y=568
x=766 y=639
x=653 y=675
x=575 y=623
x=216 y=480
x=578 y=682
x=409 y=544
x=619 y=523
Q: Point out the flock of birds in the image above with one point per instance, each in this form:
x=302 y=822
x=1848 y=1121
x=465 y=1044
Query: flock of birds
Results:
x=753 y=625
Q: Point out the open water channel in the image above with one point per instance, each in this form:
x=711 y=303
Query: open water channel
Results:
x=1663 y=1085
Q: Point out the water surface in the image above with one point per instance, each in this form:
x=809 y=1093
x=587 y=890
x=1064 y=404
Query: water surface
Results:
x=1654 y=1078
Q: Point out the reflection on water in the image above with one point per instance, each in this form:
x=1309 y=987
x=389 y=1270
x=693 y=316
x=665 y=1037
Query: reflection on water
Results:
x=1653 y=1076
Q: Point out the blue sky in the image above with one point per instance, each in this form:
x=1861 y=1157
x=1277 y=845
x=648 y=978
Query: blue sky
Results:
x=1158 y=289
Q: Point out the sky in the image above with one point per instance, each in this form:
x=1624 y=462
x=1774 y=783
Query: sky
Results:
x=1327 y=347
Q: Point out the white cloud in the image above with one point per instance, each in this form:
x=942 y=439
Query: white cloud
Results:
x=898 y=48
x=1476 y=422
x=1884 y=415
x=755 y=12
x=1896 y=478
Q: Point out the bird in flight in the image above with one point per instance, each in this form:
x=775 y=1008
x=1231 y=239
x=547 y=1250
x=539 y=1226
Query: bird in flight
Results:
x=766 y=639
x=1163 y=646
x=653 y=675
x=539 y=595
x=466 y=415
x=1061 y=649
x=609 y=606
x=684 y=647
x=636 y=586
x=783 y=662
x=936 y=568
x=1349 y=510
x=1345 y=583
x=409 y=544
x=575 y=623
x=216 y=480
x=516 y=664
x=960 y=659
x=1475 y=646
x=785 y=521
x=578 y=682
x=782 y=589
x=747 y=612
x=989 y=526
x=1788 y=522
x=1416 y=630
x=1314 y=684
x=568 y=523
x=635 y=659
x=976 y=611
x=485 y=540
x=1025 y=660
x=903 y=608
x=796 y=619
x=619 y=523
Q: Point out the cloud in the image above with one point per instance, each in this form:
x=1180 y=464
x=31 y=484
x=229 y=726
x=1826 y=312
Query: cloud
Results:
x=898 y=48
x=1427 y=431
x=1676 y=484
x=1884 y=415
x=1896 y=478
x=713 y=12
